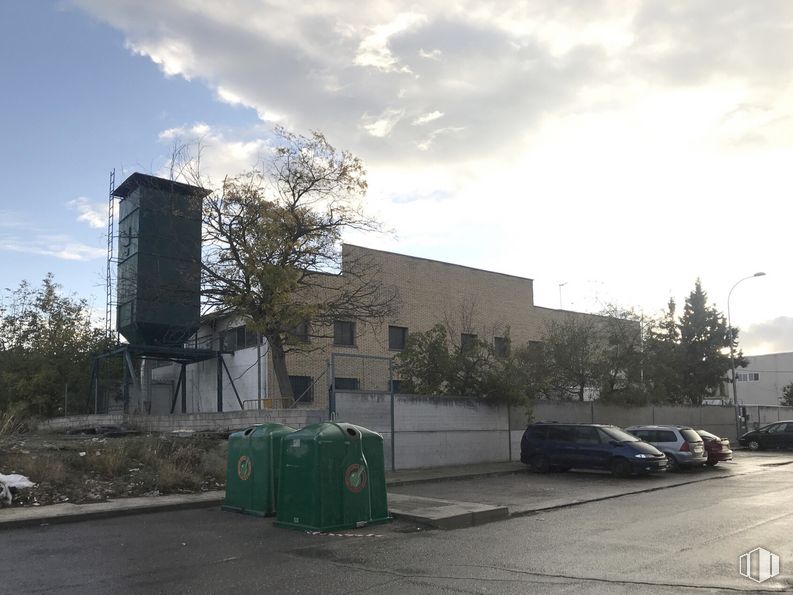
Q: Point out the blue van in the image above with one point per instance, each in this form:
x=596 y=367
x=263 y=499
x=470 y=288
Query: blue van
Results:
x=550 y=446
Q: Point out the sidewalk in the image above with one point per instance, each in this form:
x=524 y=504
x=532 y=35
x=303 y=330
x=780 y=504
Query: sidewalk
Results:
x=408 y=507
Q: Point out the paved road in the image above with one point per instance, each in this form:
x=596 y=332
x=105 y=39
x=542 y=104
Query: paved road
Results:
x=684 y=539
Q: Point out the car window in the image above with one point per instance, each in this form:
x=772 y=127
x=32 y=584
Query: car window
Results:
x=788 y=428
x=560 y=434
x=537 y=434
x=665 y=436
x=707 y=435
x=775 y=428
x=614 y=433
x=641 y=434
x=690 y=435
x=586 y=435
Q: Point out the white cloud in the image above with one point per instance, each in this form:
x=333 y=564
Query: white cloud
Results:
x=92 y=213
x=427 y=118
x=642 y=145
x=59 y=246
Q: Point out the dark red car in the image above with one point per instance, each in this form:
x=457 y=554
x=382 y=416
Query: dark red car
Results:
x=717 y=449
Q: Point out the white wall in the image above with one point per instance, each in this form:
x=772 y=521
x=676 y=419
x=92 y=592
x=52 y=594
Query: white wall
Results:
x=202 y=382
x=775 y=370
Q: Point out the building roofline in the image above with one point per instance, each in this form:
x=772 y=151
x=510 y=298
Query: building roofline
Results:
x=452 y=264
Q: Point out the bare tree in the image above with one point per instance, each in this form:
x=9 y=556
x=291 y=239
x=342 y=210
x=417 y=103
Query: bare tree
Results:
x=272 y=248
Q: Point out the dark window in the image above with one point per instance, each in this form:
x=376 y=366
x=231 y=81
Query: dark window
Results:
x=239 y=337
x=560 y=434
x=467 y=341
x=665 y=436
x=537 y=434
x=347 y=384
x=690 y=436
x=586 y=435
x=501 y=345
x=776 y=428
x=300 y=332
x=343 y=333
x=302 y=388
x=397 y=337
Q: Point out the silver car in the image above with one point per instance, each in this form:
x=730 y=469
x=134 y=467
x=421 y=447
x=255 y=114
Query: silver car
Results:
x=682 y=445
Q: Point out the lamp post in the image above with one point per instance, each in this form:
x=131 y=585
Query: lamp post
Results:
x=560 y=293
x=732 y=336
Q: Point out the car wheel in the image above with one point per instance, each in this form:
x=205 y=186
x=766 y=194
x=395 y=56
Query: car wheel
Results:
x=621 y=468
x=711 y=463
x=539 y=464
x=671 y=463
x=754 y=445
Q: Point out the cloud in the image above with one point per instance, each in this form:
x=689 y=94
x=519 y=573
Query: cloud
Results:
x=92 y=213
x=772 y=336
x=59 y=246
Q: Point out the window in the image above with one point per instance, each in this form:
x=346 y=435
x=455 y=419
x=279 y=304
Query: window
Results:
x=300 y=332
x=397 y=337
x=747 y=376
x=467 y=341
x=560 y=434
x=239 y=337
x=501 y=345
x=302 y=388
x=347 y=384
x=344 y=333
x=586 y=435
x=665 y=436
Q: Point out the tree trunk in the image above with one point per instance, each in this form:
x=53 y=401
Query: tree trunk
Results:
x=279 y=365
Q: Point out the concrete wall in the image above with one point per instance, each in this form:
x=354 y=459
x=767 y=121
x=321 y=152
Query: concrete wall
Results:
x=775 y=371
x=222 y=422
x=438 y=431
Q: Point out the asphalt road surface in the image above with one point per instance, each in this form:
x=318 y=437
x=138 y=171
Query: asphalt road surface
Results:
x=680 y=539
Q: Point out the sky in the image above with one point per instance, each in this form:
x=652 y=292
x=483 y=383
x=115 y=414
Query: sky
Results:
x=613 y=151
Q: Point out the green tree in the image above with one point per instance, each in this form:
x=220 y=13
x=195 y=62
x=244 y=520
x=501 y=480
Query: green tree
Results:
x=787 y=395
x=46 y=342
x=621 y=356
x=687 y=359
x=572 y=350
x=704 y=345
x=662 y=358
x=272 y=247
x=431 y=364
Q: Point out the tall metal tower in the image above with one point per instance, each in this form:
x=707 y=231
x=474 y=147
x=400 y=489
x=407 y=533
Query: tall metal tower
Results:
x=110 y=331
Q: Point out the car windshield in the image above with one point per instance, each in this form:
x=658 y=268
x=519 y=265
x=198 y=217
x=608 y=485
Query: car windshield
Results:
x=620 y=435
x=690 y=435
x=708 y=435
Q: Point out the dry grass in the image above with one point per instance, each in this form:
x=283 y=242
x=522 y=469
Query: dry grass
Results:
x=173 y=476
x=13 y=420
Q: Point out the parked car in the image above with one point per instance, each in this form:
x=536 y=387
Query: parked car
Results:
x=776 y=435
x=548 y=446
x=682 y=446
x=718 y=449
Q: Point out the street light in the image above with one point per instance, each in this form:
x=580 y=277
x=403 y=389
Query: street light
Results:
x=560 y=293
x=732 y=336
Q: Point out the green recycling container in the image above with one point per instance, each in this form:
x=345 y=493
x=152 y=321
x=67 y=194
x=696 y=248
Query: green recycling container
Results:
x=252 y=469
x=332 y=478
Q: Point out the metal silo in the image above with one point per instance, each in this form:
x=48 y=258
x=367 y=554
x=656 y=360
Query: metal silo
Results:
x=159 y=260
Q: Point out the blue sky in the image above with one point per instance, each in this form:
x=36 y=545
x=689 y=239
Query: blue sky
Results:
x=615 y=151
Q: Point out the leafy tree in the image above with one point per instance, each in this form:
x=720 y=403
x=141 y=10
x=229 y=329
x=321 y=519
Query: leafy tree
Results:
x=704 y=343
x=572 y=351
x=787 y=395
x=621 y=356
x=662 y=358
x=272 y=247
x=687 y=359
x=431 y=364
x=46 y=342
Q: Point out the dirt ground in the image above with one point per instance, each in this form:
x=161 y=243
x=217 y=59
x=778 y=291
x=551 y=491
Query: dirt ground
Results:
x=85 y=468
